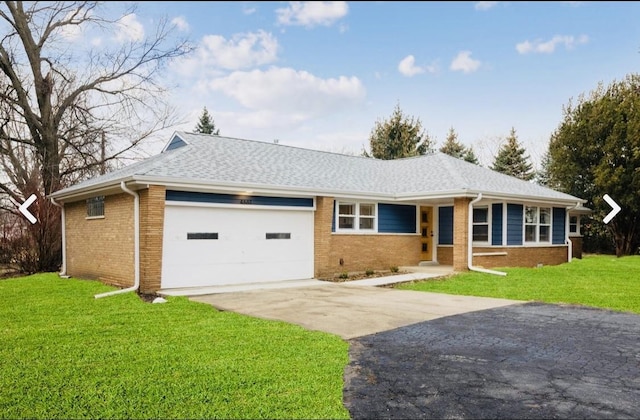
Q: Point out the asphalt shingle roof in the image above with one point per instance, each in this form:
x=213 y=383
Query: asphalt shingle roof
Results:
x=224 y=161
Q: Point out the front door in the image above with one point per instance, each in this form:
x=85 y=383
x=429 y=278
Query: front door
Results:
x=426 y=233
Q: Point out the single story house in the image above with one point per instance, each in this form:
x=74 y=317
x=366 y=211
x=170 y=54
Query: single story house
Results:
x=212 y=210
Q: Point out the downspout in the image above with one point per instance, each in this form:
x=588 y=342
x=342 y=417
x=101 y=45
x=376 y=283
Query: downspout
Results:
x=470 y=245
x=136 y=245
x=63 y=269
x=566 y=233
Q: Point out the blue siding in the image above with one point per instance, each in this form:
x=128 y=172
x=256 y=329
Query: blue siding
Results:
x=514 y=224
x=496 y=224
x=176 y=143
x=558 y=229
x=396 y=218
x=445 y=225
x=198 y=197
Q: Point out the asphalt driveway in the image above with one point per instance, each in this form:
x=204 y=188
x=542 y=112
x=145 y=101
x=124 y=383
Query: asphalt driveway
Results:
x=530 y=361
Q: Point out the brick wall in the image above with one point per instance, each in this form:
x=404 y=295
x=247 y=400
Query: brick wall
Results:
x=151 y=231
x=357 y=252
x=520 y=256
x=372 y=252
x=101 y=249
x=460 y=233
x=445 y=255
x=576 y=246
x=322 y=235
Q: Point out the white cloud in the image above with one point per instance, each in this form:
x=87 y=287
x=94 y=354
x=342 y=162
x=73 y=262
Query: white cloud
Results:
x=464 y=63
x=180 y=23
x=129 y=29
x=298 y=95
x=241 y=51
x=548 y=47
x=485 y=5
x=407 y=66
x=312 y=13
x=249 y=10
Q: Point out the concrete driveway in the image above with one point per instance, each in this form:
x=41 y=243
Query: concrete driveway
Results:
x=430 y=355
x=348 y=310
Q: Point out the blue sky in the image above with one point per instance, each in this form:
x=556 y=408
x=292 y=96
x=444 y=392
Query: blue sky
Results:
x=320 y=74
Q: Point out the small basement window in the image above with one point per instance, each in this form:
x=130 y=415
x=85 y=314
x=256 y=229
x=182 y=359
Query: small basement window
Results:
x=95 y=206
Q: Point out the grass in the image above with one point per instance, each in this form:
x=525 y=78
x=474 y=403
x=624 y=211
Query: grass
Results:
x=602 y=281
x=64 y=354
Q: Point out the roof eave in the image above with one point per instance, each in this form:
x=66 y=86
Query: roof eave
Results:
x=254 y=188
x=142 y=181
x=491 y=196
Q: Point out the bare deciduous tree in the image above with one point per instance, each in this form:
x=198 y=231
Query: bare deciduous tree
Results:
x=68 y=108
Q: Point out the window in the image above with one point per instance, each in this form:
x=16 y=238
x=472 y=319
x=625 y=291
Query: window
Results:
x=537 y=224
x=367 y=216
x=357 y=216
x=95 y=206
x=202 y=235
x=574 y=225
x=481 y=224
x=346 y=216
x=278 y=235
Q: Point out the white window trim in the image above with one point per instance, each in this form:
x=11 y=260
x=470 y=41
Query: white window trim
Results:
x=356 y=216
x=488 y=241
x=577 y=232
x=537 y=224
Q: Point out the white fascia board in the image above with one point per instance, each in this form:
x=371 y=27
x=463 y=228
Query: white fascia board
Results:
x=435 y=196
x=186 y=184
x=488 y=195
x=105 y=188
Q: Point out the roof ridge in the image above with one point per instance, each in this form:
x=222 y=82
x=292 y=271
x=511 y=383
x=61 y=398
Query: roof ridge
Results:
x=280 y=145
x=445 y=158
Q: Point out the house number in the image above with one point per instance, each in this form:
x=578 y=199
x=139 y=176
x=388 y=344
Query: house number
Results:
x=245 y=201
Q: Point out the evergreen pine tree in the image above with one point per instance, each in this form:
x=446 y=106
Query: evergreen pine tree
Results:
x=398 y=137
x=511 y=159
x=205 y=124
x=453 y=147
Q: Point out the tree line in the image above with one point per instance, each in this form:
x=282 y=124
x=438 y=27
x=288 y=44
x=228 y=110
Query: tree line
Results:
x=595 y=150
x=401 y=136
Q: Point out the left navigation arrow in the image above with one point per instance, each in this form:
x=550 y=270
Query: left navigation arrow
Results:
x=25 y=206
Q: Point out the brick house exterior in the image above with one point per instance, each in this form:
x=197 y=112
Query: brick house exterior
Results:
x=220 y=210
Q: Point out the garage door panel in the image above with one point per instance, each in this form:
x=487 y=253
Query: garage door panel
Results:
x=241 y=253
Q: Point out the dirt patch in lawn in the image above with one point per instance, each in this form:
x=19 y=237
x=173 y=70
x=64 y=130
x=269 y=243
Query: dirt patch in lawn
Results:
x=360 y=275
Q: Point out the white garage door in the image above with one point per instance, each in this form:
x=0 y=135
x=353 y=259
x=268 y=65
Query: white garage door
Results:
x=206 y=246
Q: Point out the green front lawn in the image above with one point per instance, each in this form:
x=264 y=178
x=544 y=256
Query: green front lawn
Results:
x=602 y=281
x=65 y=354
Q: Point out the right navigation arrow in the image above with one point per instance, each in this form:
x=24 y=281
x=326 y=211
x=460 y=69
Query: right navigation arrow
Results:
x=612 y=213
